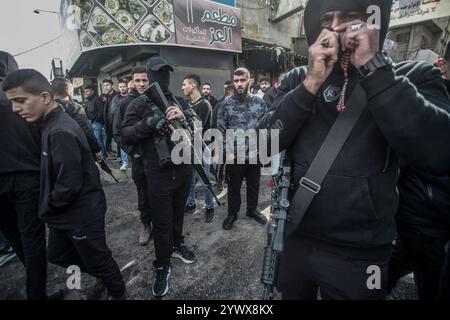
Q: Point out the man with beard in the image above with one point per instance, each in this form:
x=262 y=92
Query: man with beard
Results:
x=19 y=189
x=72 y=201
x=115 y=103
x=107 y=99
x=191 y=90
x=168 y=184
x=140 y=83
x=341 y=243
x=206 y=92
x=242 y=111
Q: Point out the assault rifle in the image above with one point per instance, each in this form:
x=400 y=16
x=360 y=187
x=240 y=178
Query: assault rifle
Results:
x=275 y=227
x=155 y=94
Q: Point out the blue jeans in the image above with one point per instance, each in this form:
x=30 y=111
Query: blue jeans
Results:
x=124 y=157
x=209 y=200
x=98 y=132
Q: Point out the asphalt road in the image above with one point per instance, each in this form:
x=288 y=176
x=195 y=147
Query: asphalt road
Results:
x=228 y=267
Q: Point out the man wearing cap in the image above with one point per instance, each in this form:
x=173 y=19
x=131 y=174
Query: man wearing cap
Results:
x=341 y=244
x=168 y=184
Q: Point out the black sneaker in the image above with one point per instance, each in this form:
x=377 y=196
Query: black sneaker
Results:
x=257 y=216
x=58 y=295
x=161 y=282
x=190 y=208
x=184 y=254
x=96 y=291
x=228 y=222
x=209 y=215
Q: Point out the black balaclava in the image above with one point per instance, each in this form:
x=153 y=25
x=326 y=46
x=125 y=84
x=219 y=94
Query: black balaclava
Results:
x=162 y=76
x=341 y=5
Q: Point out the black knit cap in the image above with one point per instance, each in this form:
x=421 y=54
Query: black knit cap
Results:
x=341 y=5
x=315 y=8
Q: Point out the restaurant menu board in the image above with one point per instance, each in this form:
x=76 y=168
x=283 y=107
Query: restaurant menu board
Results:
x=103 y=23
x=207 y=24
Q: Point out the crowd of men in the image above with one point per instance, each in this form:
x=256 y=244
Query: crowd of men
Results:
x=383 y=200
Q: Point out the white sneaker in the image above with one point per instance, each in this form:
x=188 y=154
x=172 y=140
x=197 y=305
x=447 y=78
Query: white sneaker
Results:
x=124 y=167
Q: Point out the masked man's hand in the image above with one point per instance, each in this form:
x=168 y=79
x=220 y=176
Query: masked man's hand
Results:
x=362 y=39
x=157 y=124
x=323 y=54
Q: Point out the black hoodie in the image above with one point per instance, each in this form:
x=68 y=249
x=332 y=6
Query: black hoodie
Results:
x=19 y=140
x=405 y=117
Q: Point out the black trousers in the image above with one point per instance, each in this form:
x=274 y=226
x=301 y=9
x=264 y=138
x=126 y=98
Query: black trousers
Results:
x=168 y=193
x=4 y=243
x=305 y=269
x=444 y=283
x=236 y=174
x=86 y=247
x=109 y=137
x=422 y=254
x=140 y=181
x=19 y=221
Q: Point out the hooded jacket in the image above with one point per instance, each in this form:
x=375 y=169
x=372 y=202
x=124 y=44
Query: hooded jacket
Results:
x=405 y=117
x=19 y=140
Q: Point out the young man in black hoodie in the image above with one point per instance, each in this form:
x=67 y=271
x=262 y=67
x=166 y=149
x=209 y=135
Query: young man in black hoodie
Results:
x=19 y=189
x=168 y=184
x=72 y=201
x=342 y=243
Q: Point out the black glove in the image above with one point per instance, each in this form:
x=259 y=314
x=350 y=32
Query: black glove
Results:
x=157 y=124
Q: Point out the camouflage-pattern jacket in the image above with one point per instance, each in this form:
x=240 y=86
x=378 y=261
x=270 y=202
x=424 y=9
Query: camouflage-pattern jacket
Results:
x=240 y=113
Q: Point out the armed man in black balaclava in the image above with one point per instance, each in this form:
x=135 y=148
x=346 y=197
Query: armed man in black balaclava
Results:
x=340 y=243
x=168 y=184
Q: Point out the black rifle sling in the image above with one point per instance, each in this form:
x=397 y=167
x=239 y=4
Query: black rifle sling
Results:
x=310 y=184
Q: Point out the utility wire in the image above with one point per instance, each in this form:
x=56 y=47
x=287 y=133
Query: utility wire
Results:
x=37 y=47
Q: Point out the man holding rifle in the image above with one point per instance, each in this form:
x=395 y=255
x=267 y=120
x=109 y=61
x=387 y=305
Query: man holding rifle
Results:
x=345 y=120
x=168 y=184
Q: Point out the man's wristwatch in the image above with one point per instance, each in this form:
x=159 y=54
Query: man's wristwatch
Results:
x=380 y=61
